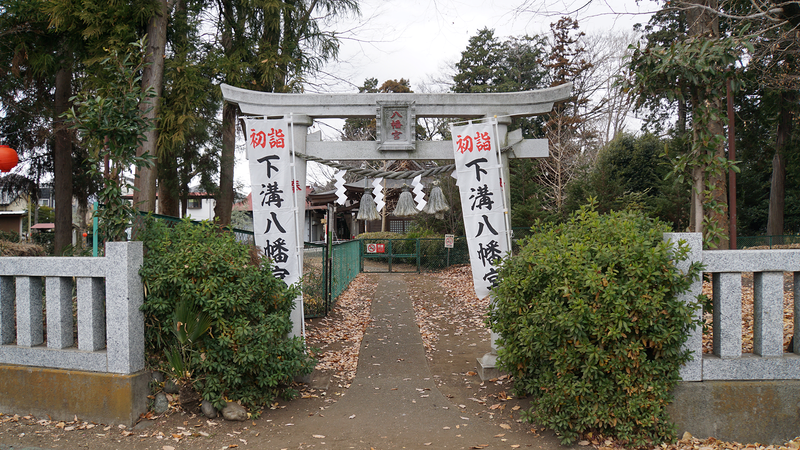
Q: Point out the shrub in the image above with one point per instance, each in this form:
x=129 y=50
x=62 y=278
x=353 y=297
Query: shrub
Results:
x=9 y=236
x=15 y=249
x=247 y=354
x=44 y=239
x=591 y=327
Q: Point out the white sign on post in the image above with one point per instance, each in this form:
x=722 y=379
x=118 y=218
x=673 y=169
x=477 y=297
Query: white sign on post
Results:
x=479 y=182
x=274 y=200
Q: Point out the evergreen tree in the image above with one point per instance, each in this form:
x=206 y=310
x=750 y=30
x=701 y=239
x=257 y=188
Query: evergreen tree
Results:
x=189 y=128
x=35 y=94
x=267 y=46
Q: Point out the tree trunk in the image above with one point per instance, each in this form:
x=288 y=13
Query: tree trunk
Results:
x=62 y=161
x=152 y=78
x=696 y=210
x=224 y=206
x=719 y=183
x=777 y=190
x=705 y=23
x=169 y=188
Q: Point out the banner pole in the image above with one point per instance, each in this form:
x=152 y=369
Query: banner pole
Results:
x=503 y=184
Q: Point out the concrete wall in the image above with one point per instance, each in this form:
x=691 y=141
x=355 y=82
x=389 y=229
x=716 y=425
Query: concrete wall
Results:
x=735 y=396
x=766 y=412
x=101 y=376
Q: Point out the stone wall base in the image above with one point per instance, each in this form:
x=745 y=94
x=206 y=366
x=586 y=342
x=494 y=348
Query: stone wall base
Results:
x=767 y=412
x=63 y=394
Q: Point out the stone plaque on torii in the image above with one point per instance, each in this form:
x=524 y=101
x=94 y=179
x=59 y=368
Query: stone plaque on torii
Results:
x=395 y=115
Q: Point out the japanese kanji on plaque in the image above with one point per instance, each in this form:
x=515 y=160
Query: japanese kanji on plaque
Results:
x=274 y=187
x=479 y=182
x=396 y=126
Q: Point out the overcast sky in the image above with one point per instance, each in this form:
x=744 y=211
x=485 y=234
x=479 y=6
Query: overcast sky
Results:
x=421 y=39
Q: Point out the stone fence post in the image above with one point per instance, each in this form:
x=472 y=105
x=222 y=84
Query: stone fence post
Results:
x=692 y=370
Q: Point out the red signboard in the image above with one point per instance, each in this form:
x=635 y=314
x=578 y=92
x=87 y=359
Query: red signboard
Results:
x=376 y=248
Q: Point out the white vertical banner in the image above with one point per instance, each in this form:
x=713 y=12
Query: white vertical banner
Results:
x=273 y=191
x=478 y=174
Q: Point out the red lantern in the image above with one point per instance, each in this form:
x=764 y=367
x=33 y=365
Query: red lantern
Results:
x=8 y=158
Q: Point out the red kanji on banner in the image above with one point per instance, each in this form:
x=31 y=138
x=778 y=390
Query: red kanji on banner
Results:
x=464 y=144
x=276 y=138
x=258 y=139
x=482 y=142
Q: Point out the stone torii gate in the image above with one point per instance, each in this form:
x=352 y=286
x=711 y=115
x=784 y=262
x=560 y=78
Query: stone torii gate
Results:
x=302 y=109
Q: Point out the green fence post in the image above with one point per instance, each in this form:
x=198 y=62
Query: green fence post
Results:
x=95 y=227
x=418 y=256
x=390 y=255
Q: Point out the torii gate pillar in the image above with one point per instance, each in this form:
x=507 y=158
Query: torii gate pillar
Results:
x=299 y=125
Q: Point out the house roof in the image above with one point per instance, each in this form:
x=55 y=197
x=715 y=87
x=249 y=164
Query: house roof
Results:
x=244 y=205
x=44 y=226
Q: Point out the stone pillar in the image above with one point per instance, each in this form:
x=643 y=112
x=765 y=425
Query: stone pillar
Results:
x=59 y=312
x=692 y=370
x=487 y=364
x=29 y=311
x=91 y=317
x=727 y=298
x=124 y=297
x=768 y=313
x=300 y=124
x=8 y=294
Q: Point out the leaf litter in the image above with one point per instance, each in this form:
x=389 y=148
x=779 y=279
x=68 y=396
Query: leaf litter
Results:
x=338 y=336
x=748 y=313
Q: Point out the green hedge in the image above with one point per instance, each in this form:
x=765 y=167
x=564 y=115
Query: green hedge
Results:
x=591 y=326
x=247 y=354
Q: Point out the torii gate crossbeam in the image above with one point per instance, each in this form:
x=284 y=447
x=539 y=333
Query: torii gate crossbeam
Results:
x=329 y=106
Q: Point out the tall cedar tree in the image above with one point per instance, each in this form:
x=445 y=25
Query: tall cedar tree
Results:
x=268 y=46
x=144 y=196
x=516 y=64
x=35 y=95
x=566 y=62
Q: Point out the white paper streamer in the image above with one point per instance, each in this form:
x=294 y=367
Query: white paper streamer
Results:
x=419 y=196
x=341 y=197
x=378 y=193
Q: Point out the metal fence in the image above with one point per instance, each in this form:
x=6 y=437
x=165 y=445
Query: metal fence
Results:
x=316 y=288
x=325 y=278
x=411 y=255
x=345 y=266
